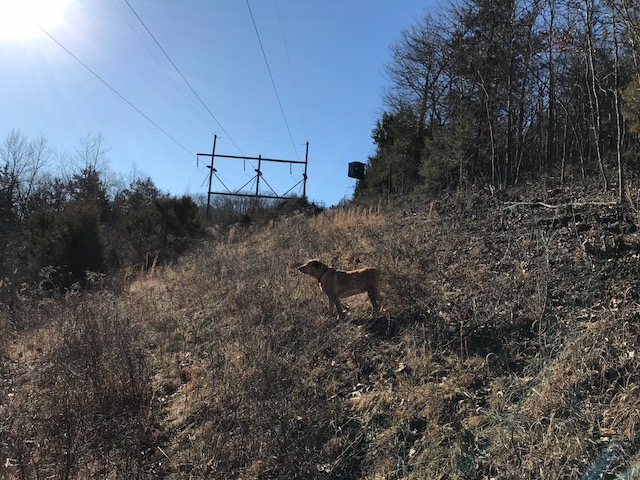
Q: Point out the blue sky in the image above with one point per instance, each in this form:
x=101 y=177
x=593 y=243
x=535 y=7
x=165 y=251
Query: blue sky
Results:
x=326 y=58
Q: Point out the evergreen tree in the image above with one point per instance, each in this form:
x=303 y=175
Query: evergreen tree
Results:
x=394 y=168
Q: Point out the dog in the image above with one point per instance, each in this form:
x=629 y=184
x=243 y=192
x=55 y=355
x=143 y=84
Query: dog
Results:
x=337 y=284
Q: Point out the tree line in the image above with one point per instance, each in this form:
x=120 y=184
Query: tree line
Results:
x=59 y=229
x=500 y=91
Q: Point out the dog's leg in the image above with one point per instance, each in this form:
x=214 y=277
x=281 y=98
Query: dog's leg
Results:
x=373 y=296
x=332 y=304
x=341 y=313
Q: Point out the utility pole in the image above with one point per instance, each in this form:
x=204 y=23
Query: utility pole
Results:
x=304 y=176
x=213 y=155
x=258 y=176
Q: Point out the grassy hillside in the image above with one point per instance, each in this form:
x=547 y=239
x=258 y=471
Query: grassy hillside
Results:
x=508 y=348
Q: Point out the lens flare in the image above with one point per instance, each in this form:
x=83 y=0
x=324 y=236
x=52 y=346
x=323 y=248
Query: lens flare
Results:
x=22 y=19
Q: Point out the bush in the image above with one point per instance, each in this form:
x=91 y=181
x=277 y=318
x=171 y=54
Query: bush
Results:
x=229 y=211
x=179 y=221
x=86 y=414
x=70 y=234
x=71 y=242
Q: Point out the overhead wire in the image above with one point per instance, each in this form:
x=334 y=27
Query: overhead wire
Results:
x=186 y=82
x=115 y=91
x=207 y=125
x=273 y=83
x=293 y=82
x=198 y=96
x=182 y=76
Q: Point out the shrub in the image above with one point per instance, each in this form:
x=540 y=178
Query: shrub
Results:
x=86 y=412
x=179 y=221
x=71 y=242
x=229 y=211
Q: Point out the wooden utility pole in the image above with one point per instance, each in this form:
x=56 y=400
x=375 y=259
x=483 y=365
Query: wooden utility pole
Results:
x=213 y=155
x=258 y=173
x=304 y=175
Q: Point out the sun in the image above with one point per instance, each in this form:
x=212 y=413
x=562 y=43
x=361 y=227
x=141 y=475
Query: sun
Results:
x=21 y=19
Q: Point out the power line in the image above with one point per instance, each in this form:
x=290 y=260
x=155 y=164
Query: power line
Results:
x=264 y=55
x=164 y=69
x=115 y=91
x=286 y=49
x=182 y=76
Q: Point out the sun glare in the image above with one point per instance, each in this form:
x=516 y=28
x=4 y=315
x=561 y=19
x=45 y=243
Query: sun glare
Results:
x=21 y=19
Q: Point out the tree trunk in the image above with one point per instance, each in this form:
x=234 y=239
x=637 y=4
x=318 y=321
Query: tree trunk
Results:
x=593 y=91
x=616 y=96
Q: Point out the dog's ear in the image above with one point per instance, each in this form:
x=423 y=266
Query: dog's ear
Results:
x=308 y=263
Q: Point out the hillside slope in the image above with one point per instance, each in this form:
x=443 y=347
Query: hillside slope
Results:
x=508 y=348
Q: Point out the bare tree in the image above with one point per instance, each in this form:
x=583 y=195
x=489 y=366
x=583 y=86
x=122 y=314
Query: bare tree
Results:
x=91 y=159
x=415 y=72
x=615 y=27
x=594 y=87
x=22 y=167
x=22 y=171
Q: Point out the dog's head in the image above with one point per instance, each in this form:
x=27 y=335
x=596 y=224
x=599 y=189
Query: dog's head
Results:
x=313 y=267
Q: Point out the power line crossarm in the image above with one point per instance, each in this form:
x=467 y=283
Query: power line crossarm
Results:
x=253 y=158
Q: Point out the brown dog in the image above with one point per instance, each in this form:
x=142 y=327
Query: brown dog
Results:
x=337 y=284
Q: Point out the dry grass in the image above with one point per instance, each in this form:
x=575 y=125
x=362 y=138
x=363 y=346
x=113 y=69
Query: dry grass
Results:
x=508 y=348
x=77 y=390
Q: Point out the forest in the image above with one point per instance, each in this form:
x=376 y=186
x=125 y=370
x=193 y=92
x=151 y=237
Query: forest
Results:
x=498 y=92
x=65 y=218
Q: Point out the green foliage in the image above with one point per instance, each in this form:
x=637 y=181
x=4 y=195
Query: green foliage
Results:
x=179 y=221
x=7 y=210
x=8 y=219
x=446 y=155
x=502 y=91
x=137 y=222
x=65 y=229
x=153 y=226
x=71 y=242
x=394 y=168
x=87 y=187
x=228 y=211
x=56 y=230
x=292 y=206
